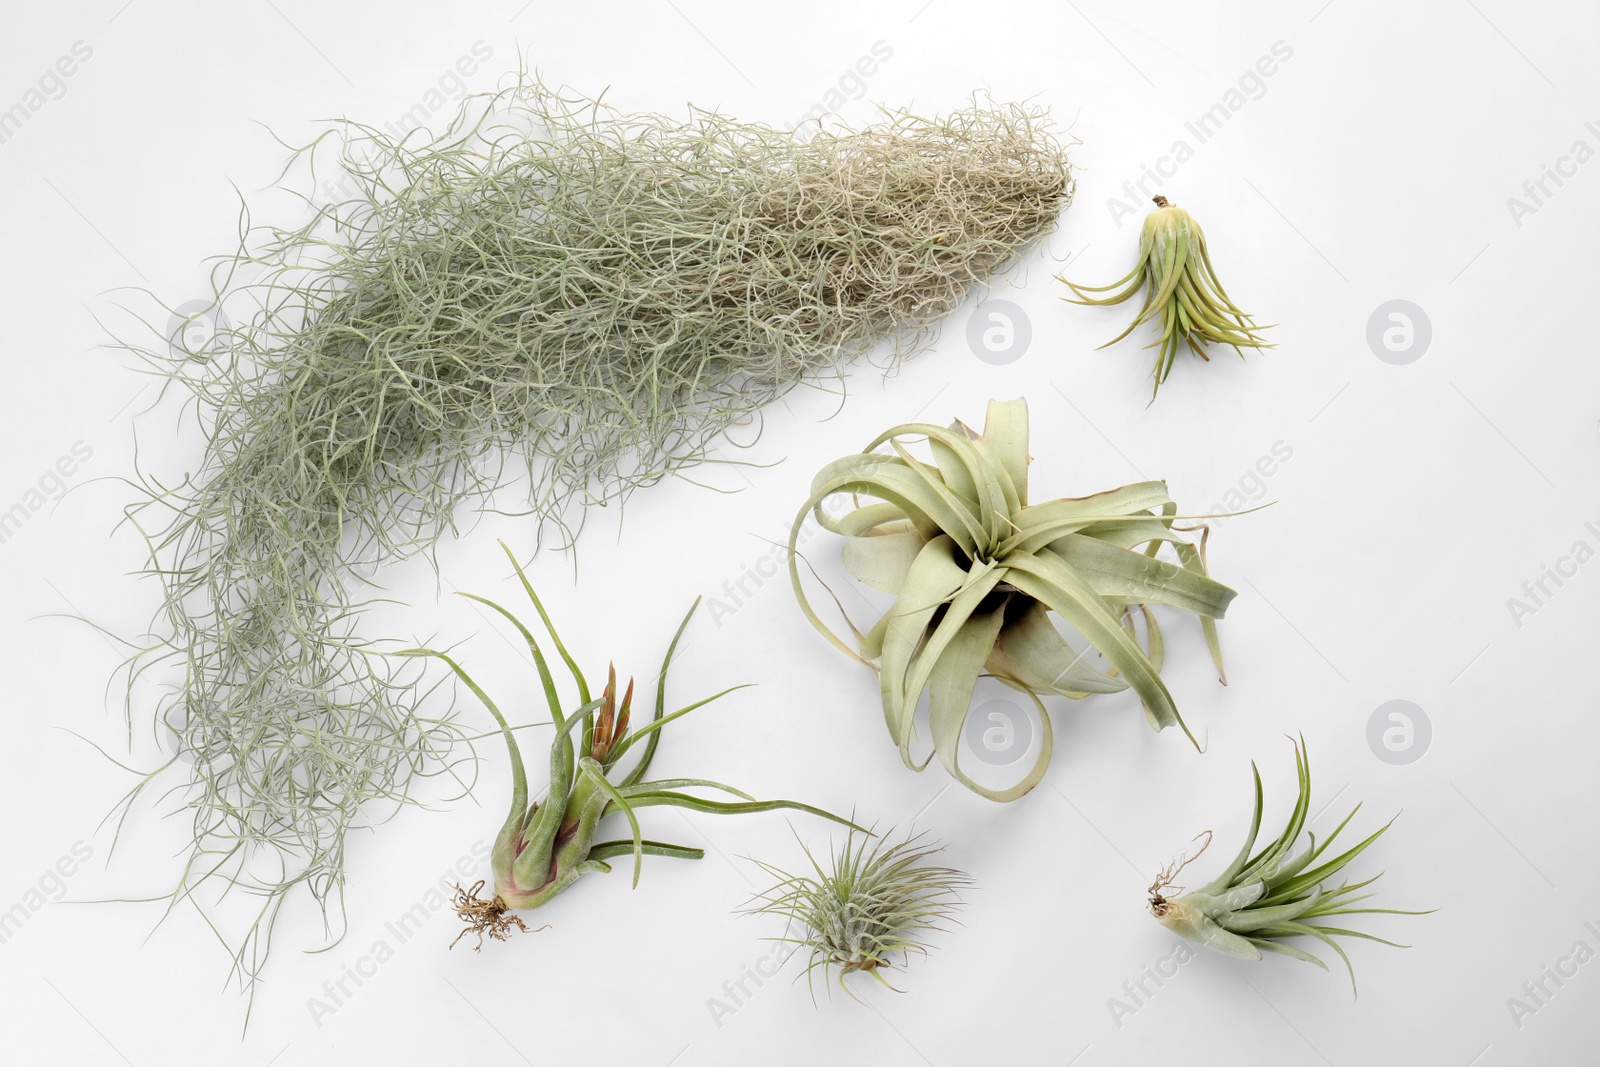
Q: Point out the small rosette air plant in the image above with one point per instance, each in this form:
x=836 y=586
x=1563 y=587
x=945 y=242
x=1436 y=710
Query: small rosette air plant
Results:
x=1263 y=899
x=544 y=847
x=1181 y=287
x=978 y=572
x=875 y=901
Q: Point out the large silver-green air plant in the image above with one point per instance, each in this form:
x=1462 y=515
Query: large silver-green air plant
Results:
x=1181 y=287
x=543 y=848
x=1259 y=901
x=977 y=572
x=873 y=903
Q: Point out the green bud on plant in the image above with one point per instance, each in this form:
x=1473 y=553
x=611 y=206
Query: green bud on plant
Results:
x=1180 y=286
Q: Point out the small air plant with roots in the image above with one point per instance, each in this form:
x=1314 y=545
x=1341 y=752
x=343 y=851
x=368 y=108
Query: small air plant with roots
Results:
x=1180 y=286
x=875 y=901
x=543 y=848
x=1261 y=900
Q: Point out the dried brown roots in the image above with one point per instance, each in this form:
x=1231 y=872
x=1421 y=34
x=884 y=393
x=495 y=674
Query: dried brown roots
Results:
x=484 y=916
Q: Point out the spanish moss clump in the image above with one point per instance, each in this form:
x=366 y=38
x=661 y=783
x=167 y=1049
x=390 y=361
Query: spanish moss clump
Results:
x=1262 y=900
x=595 y=294
x=873 y=903
x=1180 y=288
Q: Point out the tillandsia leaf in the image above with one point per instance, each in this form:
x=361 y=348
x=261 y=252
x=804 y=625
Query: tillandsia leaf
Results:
x=870 y=909
x=1264 y=897
x=542 y=849
x=1181 y=289
x=978 y=572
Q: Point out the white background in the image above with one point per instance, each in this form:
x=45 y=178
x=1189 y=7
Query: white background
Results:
x=1375 y=165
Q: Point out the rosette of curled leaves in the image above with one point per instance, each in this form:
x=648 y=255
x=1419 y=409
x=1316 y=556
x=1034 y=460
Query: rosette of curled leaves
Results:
x=980 y=575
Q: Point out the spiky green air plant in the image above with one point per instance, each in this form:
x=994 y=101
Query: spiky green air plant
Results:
x=870 y=905
x=543 y=848
x=1180 y=286
x=1261 y=900
x=977 y=571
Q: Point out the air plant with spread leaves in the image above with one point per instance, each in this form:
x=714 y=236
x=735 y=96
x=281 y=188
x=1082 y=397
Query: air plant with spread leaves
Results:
x=543 y=848
x=874 y=902
x=977 y=571
x=1259 y=901
x=1181 y=287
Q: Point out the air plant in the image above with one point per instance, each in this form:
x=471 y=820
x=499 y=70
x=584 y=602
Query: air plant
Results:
x=544 y=847
x=977 y=572
x=1180 y=286
x=547 y=284
x=874 y=902
x=1259 y=901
